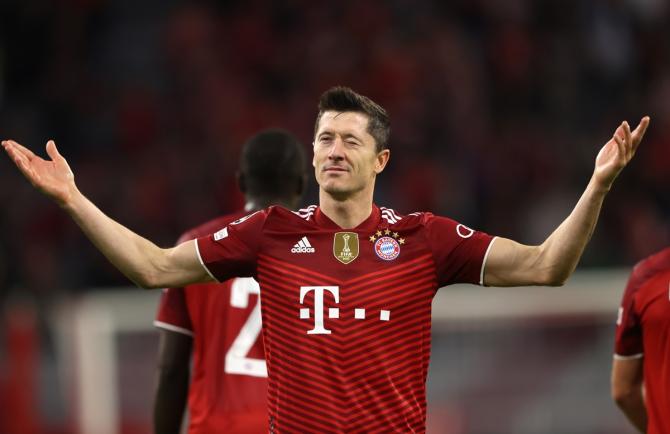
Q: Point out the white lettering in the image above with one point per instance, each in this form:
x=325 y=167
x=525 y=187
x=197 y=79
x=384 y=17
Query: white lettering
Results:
x=237 y=360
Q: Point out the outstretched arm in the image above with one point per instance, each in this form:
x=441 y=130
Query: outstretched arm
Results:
x=551 y=263
x=139 y=259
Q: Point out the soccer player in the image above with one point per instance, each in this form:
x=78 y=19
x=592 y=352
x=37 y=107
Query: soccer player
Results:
x=346 y=286
x=221 y=323
x=641 y=365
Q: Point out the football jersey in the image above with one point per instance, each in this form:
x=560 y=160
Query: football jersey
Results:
x=228 y=389
x=346 y=312
x=643 y=330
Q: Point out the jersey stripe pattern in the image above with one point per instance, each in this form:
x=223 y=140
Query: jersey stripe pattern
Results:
x=374 y=389
x=347 y=337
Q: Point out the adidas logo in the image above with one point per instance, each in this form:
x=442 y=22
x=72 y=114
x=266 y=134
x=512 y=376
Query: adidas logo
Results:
x=303 y=246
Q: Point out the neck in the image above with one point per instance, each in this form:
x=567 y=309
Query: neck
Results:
x=347 y=212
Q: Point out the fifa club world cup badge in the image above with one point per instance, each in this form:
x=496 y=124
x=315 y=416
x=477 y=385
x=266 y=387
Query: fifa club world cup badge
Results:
x=345 y=246
x=387 y=244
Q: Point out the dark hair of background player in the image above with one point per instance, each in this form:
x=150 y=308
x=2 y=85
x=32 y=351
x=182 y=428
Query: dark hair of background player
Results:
x=272 y=169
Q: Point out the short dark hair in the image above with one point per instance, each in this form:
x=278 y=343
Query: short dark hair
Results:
x=272 y=165
x=344 y=99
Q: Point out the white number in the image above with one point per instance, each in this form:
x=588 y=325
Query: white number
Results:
x=237 y=361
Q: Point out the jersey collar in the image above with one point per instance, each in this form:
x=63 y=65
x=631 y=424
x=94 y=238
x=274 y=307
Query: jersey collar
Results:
x=369 y=224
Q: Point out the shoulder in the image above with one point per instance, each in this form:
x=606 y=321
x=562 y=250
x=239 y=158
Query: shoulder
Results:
x=396 y=219
x=648 y=268
x=210 y=226
x=306 y=213
x=425 y=219
x=658 y=262
x=278 y=216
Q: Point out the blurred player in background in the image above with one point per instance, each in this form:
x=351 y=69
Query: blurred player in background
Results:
x=641 y=365
x=221 y=323
x=346 y=286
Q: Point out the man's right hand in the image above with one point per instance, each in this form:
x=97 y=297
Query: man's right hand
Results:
x=52 y=177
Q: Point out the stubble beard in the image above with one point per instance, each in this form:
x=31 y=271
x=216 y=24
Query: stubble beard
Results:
x=341 y=192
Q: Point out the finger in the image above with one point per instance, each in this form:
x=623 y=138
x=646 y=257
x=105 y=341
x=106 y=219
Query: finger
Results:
x=619 y=132
x=627 y=140
x=620 y=145
x=21 y=162
x=17 y=156
x=53 y=151
x=25 y=151
x=639 y=131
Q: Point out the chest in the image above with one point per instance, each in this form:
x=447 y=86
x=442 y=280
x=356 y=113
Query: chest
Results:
x=346 y=255
x=342 y=277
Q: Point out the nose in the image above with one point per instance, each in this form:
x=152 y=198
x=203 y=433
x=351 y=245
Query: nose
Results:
x=336 y=151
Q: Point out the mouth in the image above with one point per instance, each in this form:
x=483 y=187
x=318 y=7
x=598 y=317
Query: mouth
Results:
x=335 y=169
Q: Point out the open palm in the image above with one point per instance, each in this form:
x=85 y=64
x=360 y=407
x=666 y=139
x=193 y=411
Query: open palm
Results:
x=618 y=151
x=52 y=177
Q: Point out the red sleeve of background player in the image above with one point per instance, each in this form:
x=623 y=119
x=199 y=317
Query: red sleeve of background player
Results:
x=173 y=313
x=628 y=339
x=459 y=252
x=172 y=310
x=231 y=251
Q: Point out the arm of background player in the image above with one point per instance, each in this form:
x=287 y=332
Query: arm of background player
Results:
x=627 y=390
x=551 y=263
x=139 y=259
x=174 y=356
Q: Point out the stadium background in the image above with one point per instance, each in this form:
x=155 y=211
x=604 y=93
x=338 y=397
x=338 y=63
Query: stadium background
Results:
x=498 y=110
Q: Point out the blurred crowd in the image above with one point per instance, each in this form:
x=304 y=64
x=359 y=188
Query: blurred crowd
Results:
x=498 y=110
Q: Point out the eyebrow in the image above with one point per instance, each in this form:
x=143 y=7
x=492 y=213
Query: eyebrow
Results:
x=344 y=135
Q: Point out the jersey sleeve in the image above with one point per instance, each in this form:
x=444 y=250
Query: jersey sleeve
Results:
x=231 y=251
x=172 y=308
x=459 y=252
x=628 y=337
x=173 y=313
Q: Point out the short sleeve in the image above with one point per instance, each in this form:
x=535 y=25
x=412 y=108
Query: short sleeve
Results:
x=628 y=338
x=173 y=313
x=232 y=250
x=459 y=252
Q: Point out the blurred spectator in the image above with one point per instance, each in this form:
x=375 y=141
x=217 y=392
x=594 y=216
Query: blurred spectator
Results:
x=491 y=103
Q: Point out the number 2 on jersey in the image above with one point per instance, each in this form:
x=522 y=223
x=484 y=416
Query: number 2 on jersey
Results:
x=237 y=361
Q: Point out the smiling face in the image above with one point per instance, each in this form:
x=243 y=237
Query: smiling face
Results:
x=346 y=160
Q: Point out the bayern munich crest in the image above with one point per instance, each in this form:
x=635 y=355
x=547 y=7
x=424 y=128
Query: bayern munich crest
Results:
x=387 y=248
x=387 y=244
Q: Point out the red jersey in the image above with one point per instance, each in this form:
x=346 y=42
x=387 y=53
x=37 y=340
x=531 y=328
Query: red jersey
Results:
x=643 y=330
x=228 y=390
x=346 y=313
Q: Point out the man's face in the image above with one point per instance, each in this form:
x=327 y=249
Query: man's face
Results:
x=345 y=157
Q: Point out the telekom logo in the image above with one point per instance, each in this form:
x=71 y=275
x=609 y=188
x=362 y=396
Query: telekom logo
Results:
x=319 y=328
x=333 y=312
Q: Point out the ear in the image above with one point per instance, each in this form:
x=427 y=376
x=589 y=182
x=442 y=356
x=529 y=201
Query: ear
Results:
x=382 y=160
x=241 y=182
